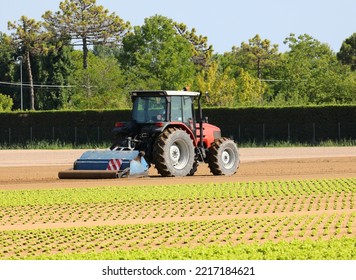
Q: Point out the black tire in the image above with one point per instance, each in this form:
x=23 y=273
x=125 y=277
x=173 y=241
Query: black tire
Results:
x=194 y=169
x=223 y=157
x=173 y=153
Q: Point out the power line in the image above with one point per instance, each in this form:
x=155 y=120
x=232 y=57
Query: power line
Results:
x=36 y=85
x=271 y=80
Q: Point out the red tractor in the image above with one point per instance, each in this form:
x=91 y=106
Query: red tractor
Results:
x=165 y=127
x=164 y=131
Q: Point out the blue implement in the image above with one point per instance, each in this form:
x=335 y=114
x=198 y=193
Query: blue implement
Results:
x=97 y=164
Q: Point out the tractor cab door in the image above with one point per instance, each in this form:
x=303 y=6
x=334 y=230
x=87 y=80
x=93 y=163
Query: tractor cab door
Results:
x=182 y=110
x=148 y=109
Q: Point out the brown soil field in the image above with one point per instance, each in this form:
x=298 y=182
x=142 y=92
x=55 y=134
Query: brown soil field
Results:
x=315 y=216
x=36 y=169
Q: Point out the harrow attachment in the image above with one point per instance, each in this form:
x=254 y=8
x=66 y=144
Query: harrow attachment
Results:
x=106 y=164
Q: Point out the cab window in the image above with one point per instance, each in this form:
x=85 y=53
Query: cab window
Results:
x=176 y=108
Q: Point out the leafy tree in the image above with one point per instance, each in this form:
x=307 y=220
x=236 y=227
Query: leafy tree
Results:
x=311 y=73
x=250 y=90
x=54 y=70
x=106 y=51
x=347 y=53
x=249 y=63
x=30 y=39
x=156 y=56
x=258 y=54
x=6 y=103
x=100 y=86
x=7 y=65
x=87 y=22
x=201 y=51
x=219 y=85
x=7 y=53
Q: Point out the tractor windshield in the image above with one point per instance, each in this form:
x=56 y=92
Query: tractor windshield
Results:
x=149 y=109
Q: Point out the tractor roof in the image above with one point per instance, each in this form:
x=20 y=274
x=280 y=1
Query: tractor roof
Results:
x=164 y=93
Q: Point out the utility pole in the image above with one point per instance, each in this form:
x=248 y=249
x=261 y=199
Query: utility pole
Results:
x=19 y=61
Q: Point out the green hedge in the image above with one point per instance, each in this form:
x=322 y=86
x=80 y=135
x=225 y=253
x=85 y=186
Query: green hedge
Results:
x=78 y=127
x=61 y=118
x=299 y=124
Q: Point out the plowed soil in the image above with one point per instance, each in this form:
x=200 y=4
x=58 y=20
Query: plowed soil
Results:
x=38 y=169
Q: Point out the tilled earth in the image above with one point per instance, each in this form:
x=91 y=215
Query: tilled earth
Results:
x=35 y=169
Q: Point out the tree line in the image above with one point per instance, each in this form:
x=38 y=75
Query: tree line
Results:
x=84 y=57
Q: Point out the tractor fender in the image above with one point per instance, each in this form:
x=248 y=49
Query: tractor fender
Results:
x=182 y=126
x=211 y=132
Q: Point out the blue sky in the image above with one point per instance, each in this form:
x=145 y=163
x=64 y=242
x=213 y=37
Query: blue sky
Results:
x=225 y=22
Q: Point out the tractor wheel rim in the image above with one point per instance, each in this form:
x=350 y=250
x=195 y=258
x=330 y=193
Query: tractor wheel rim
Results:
x=179 y=154
x=228 y=158
x=174 y=153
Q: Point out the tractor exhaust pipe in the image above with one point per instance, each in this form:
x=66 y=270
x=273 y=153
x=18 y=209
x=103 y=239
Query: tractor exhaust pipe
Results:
x=201 y=142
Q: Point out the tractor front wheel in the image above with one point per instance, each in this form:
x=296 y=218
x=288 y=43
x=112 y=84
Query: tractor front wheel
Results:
x=173 y=153
x=223 y=157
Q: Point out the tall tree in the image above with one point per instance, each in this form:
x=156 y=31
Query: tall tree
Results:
x=54 y=70
x=347 y=53
x=156 y=56
x=7 y=55
x=30 y=39
x=259 y=53
x=221 y=88
x=100 y=86
x=250 y=89
x=201 y=50
x=310 y=71
x=86 y=24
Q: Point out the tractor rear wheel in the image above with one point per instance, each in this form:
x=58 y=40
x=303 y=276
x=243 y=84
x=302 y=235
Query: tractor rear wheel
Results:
x=223 y=157
x=174 y=153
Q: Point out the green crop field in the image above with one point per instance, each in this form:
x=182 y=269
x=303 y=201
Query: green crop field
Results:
x=306 y=219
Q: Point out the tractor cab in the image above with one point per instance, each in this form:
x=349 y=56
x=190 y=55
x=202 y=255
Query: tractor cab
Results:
x=163 y=106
